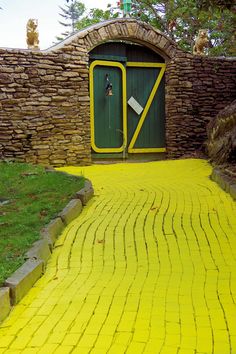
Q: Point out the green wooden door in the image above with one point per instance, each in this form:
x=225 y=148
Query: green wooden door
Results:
x=108 y=113
x=116 y=124
x=146 y=129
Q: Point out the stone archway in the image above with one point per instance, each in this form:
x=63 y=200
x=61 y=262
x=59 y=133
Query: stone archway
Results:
x=124 y=29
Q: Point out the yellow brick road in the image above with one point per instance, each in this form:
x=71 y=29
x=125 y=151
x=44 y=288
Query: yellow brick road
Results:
x=149 y=267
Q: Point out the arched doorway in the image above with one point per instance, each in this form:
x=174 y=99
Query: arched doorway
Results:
x=127 y=100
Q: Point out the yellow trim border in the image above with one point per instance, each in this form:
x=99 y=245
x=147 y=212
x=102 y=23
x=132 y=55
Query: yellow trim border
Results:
x=124 y=100
x=137 y=64
x=146 y=150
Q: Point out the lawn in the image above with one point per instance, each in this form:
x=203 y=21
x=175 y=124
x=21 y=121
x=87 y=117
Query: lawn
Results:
x=29 y=198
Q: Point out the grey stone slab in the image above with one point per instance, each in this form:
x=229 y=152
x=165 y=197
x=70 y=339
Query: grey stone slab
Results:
x=39 y=250
x=86 y=193
x=221 y=181
x=52 y=231
x=219 y=178
x=232 y=191
x=215 y=175
x=5 y=305
x=227 y=181
x=71 y=211
x=23 y=279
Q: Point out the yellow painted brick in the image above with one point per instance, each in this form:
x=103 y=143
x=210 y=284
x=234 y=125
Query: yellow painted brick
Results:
x=38 y=339
x=139 y=269
x=127 y=321
x=187 y=351
x=188 y=342
x=141 y=336
x=153 y=346
x=47 y=348
x=6 y=341
x=135 y=347
x=172 y=340
x=123 y=338
x=103 y=342
x=81 y=350
x=87 y=340
x=31 y=351
x=64 y=349
x=70 y=339
x=158 y=332
x=220 y=336
x=166 y=349
x=233 y=342
x=221 y=347
x=16 y=325
x=109 y=328
x=117 y=348
x=204 y=344
x=56 y=337
x=20 y=342
x=172 y=316
x=172 y=328
x=93 y=328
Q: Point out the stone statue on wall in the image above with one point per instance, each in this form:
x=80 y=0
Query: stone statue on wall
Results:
x=32 y=34
x=201 y=42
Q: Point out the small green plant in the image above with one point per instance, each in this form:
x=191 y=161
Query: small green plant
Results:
x=29 y=198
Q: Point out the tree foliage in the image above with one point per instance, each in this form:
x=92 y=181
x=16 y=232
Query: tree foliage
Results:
x=71 y=15
x=76 y=17
x=96 y=15
x=182 y=19
x=179 y=19
x=220 y=4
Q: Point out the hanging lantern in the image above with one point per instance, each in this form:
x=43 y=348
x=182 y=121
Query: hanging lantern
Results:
x=108 y=88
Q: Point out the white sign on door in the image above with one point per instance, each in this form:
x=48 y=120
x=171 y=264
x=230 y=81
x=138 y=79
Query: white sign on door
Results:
x=135 y=105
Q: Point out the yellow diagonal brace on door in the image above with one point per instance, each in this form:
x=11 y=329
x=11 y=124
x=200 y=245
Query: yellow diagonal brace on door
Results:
x=131 y=148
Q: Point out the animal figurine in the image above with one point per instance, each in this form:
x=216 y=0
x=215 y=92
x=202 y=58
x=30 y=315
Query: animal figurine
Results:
x=201 y=42
x=32 y=34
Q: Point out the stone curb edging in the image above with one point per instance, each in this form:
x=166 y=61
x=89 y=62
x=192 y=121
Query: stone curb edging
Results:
x=23 y=279
x=224 y=182
x=5 y=304
x=86 y=193
x=20 y=282
x=71 y=211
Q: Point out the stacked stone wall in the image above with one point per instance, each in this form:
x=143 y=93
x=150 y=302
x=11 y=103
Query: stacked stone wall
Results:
x=197 y=88
x=44 y=106
x=44 y=96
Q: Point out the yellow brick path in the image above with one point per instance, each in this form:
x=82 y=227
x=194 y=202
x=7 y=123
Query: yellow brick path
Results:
x=149 y=267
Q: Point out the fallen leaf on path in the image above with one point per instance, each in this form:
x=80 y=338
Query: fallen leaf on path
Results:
x=101 y=241
x=155 y=208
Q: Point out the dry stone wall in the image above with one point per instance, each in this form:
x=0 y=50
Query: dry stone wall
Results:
x=44 y=106
x=197 y=88
x=44 y=96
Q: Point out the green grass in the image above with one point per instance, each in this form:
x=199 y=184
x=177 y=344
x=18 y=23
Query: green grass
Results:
x=34 y=198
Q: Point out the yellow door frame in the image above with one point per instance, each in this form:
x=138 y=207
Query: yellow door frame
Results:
x=131 y=148
x=124 y=98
